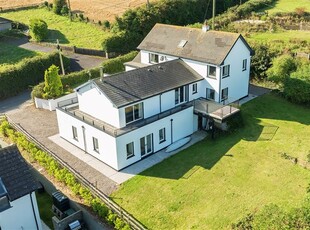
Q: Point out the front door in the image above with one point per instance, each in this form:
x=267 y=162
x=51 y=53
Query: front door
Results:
x=146 y=145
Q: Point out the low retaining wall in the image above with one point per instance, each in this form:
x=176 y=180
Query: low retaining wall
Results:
x=51 y=104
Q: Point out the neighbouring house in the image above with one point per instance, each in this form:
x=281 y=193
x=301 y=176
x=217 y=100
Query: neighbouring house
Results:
x=18 y=204
x=5 y=24
x=182 y=80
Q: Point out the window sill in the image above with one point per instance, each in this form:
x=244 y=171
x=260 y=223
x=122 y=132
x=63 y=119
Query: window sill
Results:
x=75 y=139
x=194 y=92
x=96 y=150
x=162 y=141
x=212 y=77
x=225 y=76
x=130 y=156
x=243 y=70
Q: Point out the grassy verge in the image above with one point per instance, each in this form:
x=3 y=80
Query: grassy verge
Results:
x=215 y=182
x=76 y=33
x=11 y=54
x=45 y=208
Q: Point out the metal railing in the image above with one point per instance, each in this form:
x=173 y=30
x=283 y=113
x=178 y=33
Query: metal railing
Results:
x=122 y=213
x=115 y=132
x=67 y=102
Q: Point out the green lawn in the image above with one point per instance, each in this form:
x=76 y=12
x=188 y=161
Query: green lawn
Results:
x=216 y=182
x=11 y=54
x=45 y=208
x=80 y=34
x=288 y=6
x=285 y=36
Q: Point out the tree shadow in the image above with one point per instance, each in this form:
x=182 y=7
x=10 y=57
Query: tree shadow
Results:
x=53 y=35
x=205 y=154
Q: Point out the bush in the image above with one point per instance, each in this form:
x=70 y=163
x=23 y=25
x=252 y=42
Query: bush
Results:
x=52 y=84
x=64 y=10
x=38 y=91
x=38 y=29
x=26 y=73
x=261 y=61
x=58 y=6
x=297 y=90
x=281 y=68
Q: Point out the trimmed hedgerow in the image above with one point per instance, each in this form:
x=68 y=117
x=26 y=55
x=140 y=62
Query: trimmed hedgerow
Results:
x=26 y=73
x=62 y=174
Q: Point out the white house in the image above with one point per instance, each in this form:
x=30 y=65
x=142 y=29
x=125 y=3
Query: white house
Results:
x=18 y=204
x=181 y=79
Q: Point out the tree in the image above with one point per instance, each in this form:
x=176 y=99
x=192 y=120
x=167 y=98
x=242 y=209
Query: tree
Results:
x=38 y=29
x=58 y=6
x=52 y=83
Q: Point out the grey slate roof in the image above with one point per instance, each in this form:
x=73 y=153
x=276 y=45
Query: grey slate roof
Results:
x=135 y=85
x=209 y=47
x=15 y=173
x=136 y=62
x=4 y=20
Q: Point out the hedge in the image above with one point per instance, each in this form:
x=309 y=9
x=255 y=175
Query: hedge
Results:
x=61 y=174
x=72 y=80
x=26 y=73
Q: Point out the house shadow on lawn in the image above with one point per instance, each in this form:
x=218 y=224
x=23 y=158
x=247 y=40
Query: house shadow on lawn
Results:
x=53 y=35
x=205 y=154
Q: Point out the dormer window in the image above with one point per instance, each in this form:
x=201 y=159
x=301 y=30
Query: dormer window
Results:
x=153 y=58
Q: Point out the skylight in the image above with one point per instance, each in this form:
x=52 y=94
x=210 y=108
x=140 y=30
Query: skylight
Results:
x=182 y=43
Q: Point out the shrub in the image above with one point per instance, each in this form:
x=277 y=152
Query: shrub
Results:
x=281 y=68
x=38 y=91
x=106 y=24
x=297 y=90
x=261 y=60
x=38 y=29
x=64 y=10
x=52 y=84
x=58 y=6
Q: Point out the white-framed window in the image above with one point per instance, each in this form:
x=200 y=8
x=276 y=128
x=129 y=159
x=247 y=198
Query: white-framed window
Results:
x=96 y=144
x=162 y=135
x=181 y=94
x=210 y=94
x=194 y=88
x=225 y=71
x=244 y=64
x=134 y=112
x=224 y=94
x=74 y=133
x=153 y=58
x=211 y=71
x=130 y=150
x=146 y=145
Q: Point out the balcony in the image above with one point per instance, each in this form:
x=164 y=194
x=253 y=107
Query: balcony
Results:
x=213 y=109
x=73 y=110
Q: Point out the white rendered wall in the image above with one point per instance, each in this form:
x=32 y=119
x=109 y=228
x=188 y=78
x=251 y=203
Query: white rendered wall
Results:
x=145 y=57
x=182 y=126
x=93 y=102
x=238 y=80
x=107 y=146
x=20 y=215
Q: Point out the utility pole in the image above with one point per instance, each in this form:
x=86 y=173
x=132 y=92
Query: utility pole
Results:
x=148 y=4
x=70 y=14
x=60 y=57
x=213 y=14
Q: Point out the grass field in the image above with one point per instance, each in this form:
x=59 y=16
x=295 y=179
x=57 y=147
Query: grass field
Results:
x=80 y=34
x=11 y=54
x=216 y=182
x=288 y=6
x=45 y=208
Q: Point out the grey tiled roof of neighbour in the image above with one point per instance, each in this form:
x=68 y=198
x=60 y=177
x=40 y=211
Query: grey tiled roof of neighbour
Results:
x=209 y=47
x=135 y=85
x=4 y=20
x=15 y=173
x=136 y=62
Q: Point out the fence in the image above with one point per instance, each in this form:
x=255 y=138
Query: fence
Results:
x=133 y=223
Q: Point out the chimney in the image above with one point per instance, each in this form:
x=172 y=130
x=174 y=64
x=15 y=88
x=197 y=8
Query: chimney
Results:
x=205 y=26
